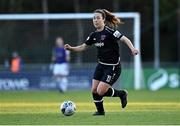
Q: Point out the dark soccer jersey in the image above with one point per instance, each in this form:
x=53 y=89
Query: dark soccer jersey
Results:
x=107 y=45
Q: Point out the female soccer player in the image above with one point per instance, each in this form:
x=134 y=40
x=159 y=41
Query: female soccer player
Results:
x=108 y=70
x=60 y=58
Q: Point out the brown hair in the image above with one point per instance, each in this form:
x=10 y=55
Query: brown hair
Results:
x=110 y=19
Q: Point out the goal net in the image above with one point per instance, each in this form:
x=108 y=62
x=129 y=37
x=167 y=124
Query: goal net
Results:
x=33 y=36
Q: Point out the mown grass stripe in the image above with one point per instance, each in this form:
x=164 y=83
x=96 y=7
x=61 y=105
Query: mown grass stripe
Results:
x=42 y=104
x=85 y=111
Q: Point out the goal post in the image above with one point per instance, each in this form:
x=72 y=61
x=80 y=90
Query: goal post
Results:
x=73 y=16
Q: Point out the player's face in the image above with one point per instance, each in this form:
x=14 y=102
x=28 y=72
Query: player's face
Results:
x=98 y=21
x=59 y=42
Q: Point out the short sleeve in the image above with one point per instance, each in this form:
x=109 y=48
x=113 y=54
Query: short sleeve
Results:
x=117 y=35
x=89 y=40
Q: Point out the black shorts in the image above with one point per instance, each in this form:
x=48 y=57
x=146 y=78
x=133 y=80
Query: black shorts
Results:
x=107 y=73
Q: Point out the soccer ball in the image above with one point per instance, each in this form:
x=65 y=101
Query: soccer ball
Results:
x=68 y=108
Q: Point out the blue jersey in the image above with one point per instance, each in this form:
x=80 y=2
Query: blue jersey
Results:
x=60 y=55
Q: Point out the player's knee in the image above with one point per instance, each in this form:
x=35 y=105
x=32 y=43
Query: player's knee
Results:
x=94 y=90
x=101 y=92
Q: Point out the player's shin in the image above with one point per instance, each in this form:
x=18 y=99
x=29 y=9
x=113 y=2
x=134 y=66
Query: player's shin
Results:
x=111 y=92
x=122 y=94
x=98 y=101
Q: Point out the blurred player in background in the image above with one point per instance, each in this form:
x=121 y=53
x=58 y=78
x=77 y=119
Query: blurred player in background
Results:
x=16 y=62
x=60 y=59
x=108 y=70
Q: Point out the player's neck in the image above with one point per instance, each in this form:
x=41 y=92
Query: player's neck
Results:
x=100 y=29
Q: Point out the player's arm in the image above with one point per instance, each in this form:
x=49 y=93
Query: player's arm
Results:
x=53 y=58
x=79 y=48
x=68 y=58
x=129 y=44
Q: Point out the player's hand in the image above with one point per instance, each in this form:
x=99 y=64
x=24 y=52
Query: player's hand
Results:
x=134 y=52
x=67 y=47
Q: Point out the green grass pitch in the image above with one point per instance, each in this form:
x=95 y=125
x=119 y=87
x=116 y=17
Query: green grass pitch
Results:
x=42 y=108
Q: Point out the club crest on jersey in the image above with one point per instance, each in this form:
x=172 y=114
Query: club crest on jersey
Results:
x=99 y=44
x=117 y=34
x=103 y=37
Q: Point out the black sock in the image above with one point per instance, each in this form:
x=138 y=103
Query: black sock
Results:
x=98 y=101
x=111 y=92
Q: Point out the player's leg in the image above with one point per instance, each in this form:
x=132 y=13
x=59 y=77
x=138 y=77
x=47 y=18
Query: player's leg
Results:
x=98 y=100
x=64 y=84
x=111 y=75
x=58 y=81
x=57 y=76
x=61 y=72
x=64 y=71
x=104 y=89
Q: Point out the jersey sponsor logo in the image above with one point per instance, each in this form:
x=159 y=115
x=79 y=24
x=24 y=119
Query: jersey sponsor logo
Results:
x=103 y=37
x=117 y=34
x=99 y=44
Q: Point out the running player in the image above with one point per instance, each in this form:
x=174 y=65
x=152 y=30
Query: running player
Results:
x=108 y=70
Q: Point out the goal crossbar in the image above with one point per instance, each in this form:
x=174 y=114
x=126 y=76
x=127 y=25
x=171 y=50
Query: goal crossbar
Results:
x=61 y=16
